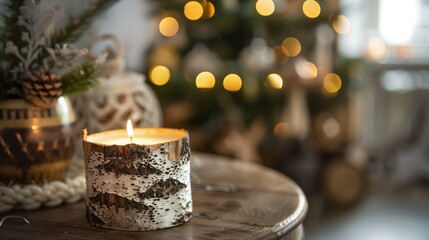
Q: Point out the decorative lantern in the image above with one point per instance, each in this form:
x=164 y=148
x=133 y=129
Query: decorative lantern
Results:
x=120 y=95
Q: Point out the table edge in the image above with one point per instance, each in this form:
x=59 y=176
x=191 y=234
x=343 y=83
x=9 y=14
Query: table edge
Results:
x=294 y=220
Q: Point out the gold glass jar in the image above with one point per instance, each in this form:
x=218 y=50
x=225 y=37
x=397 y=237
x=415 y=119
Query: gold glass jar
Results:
x=36 y=144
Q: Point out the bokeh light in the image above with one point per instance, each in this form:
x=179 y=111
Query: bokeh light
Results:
x=282 y=129
x=209 y=10
x=168 y=26
x=341 y=24
x=331 y=127
x=265 y=7
x=291 y=47
x=306 y=69
x=311 y=8
x=159 y=75
x=232 y=82
x=193 y=10
x=331 y=83
x=376 y=48
x=405 y=51
x=328 y=128
x=205 y=80
x=274 y=80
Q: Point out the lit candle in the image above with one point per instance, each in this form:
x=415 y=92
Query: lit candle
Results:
x=130 y=130
x=140 y=136
x=138 y=179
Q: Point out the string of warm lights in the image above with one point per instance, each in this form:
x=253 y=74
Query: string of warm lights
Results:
x=232 y=82
x=311 y=8
x=274 y=80
x=265 y=7
x=331 y=84
x=194 y=10
x=159 y=75
x=205 y=80
x=289 y=48
x=168 y=26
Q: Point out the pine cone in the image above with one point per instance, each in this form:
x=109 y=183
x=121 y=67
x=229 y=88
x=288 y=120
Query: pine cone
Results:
x=41 y=88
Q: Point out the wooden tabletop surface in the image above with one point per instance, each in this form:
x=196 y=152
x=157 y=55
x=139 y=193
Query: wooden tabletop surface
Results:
x=231 y=200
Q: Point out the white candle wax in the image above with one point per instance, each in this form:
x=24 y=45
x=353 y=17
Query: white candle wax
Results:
x=142 y=136
x=127 y=140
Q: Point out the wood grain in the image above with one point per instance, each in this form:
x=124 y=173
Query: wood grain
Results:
x=232 y=200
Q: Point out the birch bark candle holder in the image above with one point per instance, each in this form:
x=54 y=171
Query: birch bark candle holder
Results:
x=138 y=183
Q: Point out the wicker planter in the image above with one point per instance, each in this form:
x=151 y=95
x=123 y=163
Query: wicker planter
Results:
x=36 y=144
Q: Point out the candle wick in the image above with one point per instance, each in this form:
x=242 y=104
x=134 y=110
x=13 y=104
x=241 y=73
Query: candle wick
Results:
x=131 y=139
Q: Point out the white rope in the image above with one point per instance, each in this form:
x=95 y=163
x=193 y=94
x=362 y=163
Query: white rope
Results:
x=49 y=194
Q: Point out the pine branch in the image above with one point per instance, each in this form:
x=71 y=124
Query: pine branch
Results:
x=75 y=27
x=79 y=79
x=10 y=30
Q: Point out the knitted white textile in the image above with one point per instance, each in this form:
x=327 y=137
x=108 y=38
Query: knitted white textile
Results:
x=49 y=194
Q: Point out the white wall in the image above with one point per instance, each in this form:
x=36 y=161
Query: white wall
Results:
x=130 y=21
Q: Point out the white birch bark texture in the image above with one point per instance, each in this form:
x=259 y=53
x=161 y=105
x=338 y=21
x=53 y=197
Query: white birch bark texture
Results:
x=138 y=187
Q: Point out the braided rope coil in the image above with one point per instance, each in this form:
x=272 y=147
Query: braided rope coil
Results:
x=49 y=194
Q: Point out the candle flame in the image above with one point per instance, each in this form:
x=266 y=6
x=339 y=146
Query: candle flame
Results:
x=130 y=130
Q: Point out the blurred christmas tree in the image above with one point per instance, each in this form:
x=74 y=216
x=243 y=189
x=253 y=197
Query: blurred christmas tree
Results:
x=243 y=75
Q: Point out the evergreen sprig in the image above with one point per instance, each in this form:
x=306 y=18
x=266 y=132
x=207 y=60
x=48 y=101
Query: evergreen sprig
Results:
x=10 y=30
x=75 y=27
x=79 y=79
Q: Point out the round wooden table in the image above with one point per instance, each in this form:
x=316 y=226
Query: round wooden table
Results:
x=231 y=200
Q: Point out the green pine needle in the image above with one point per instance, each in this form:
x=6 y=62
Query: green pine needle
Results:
x=75 y=27
x=79 y=79
x=9 y=29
